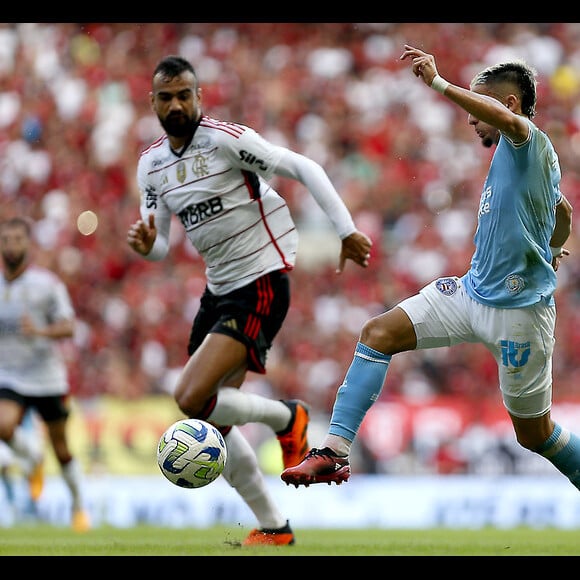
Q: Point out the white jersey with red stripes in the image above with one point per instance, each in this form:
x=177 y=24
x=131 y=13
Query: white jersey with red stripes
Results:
x=217 y=187
x=33 y=366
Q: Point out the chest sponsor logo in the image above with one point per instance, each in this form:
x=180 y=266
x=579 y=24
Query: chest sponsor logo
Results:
x=485 y=202
x=198 y=212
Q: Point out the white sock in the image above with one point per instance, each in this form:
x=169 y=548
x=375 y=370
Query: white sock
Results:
x=234 y=407
x=28 y=449
x=71 y=473
x=339 y=445
x=244 y=475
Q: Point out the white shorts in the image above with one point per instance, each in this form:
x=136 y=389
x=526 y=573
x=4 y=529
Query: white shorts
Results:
x=520 y=339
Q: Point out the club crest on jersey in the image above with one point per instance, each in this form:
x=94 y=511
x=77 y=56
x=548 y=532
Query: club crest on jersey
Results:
x=514 y=284
x=180 y=172
x=447 y=286
x=199 y=166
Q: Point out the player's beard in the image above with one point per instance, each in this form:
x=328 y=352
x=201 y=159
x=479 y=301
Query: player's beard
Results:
x=178 y=125
x=490 y=139
x=12 y=262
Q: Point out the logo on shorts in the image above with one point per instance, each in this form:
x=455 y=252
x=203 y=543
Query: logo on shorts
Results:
x=231 y=323
x=447 y=286
x=514 y=284
x=514 y=354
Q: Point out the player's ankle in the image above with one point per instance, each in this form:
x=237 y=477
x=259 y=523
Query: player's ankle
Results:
x=338 y=445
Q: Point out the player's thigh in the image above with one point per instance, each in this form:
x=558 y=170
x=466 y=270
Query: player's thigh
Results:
x=440 y=314
x=220 y=359
x=11 y=413
x=522 y=342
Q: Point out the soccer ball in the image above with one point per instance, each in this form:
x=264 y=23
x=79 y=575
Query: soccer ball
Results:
x=191 y=453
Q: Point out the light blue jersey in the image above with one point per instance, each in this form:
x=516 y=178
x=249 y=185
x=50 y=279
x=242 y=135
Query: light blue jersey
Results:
x=512 y=263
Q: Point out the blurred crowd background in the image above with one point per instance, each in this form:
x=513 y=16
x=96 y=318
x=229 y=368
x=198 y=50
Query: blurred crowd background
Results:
x=75 y=114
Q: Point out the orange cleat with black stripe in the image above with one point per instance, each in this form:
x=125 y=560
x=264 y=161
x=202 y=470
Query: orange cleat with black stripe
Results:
x=270 y=537
x=294 y=439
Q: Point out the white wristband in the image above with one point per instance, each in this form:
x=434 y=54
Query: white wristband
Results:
x=439 y=84
x=556 y=251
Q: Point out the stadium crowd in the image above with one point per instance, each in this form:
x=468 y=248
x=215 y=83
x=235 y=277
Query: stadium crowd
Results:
x=75 y=113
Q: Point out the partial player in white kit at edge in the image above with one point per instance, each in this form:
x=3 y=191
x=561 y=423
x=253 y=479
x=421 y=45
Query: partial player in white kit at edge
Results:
x=505 y=301
x=35 y=313
x=213 y=176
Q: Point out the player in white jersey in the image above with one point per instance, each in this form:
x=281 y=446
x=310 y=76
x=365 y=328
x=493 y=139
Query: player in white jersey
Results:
x=35 y=313
x=505 y=301
x=213 y=175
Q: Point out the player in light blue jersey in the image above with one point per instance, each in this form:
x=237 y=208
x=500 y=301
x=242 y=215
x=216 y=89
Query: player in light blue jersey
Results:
x=505 y=301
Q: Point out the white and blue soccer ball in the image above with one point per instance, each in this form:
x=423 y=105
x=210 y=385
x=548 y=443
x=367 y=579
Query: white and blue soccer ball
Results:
x=192 y=453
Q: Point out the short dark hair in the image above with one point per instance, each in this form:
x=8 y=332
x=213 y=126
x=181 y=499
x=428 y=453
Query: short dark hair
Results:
x=172 y=66
x=516 y=73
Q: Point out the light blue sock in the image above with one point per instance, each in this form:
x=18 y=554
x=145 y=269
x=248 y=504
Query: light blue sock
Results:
x=563 y=450
x=361 y=387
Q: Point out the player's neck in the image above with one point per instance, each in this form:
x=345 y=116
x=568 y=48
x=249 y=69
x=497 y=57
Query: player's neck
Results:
x=178 y=144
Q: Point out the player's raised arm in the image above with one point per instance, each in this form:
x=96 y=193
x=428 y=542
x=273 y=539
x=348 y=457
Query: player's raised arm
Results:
x=500 y=110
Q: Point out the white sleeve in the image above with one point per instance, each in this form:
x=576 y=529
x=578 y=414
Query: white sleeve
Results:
x=160 y=247
x=303 y=169
x=63 y=307
x=151 y=203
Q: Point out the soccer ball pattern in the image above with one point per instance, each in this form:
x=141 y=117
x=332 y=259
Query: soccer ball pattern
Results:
x=191 y=453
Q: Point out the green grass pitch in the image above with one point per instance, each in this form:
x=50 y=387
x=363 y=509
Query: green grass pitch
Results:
x=46 y=540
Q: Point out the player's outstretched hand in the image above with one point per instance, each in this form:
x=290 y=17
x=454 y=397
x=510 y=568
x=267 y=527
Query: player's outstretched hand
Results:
x=355 y=247
x=141 y=236
x=423 y=64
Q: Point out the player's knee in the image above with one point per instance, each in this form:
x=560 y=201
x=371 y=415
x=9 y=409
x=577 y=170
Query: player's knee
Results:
x=389 y=333
x=376 y=334
x=192 y=406
x=63 y=457
x=185 y=406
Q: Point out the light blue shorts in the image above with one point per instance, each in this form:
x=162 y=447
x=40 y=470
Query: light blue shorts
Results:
x=520 y=339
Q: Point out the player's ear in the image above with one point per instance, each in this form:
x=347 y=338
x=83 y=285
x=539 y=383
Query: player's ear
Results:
x=152 y=100
x=512 y=102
